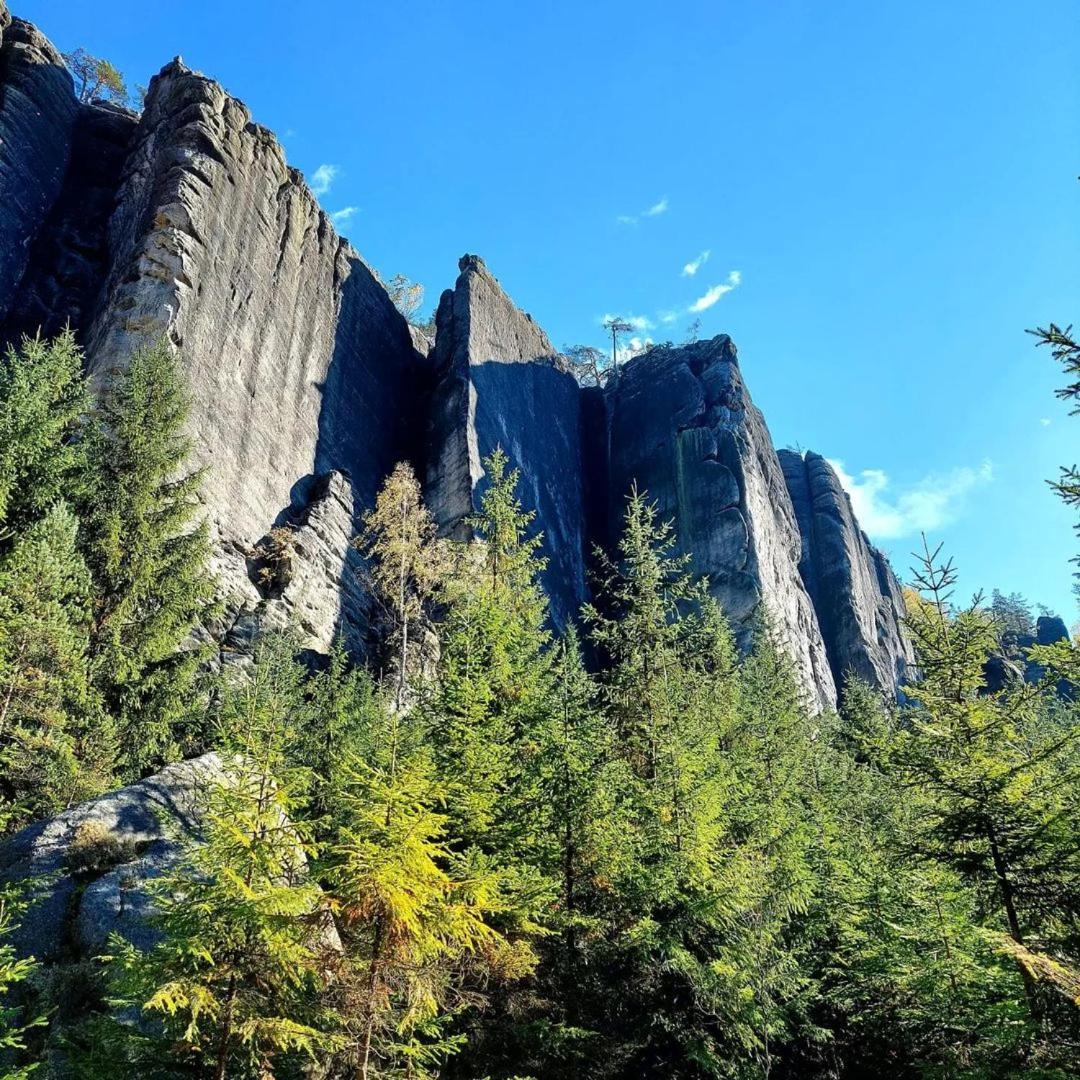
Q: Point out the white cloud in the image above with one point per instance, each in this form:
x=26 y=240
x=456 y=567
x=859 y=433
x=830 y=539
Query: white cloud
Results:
x=345 y=214
x=925 y=506
x=668 y=317
x=655 y=210
x=703 y=303
x=694 y=265
x=323 y=177
x=1045 y=421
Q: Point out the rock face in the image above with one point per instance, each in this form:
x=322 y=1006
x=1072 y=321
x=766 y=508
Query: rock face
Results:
x=683 y=428
x=186 y=223
x=1011 y=663
x=856 y=595
x=297 y=361
x=37 y=119
x=500 y=383
x=90 y=863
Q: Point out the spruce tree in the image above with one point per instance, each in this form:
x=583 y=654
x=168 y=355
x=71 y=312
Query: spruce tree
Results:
x=56 y=742
x=43 y=407
x=14 y=972
x=148 y=557
x=993 y=781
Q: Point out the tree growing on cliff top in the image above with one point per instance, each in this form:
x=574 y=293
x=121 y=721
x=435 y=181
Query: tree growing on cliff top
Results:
x=96 y=78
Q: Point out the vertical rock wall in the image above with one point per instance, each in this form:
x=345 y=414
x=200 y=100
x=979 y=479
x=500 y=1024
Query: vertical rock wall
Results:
x=500 y=383
x=856 y=595
x=186 y=223
x=683 y=428
x=37 y=119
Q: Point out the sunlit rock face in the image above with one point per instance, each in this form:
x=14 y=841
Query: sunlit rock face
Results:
x=186 y=223
x=682 y=427
x=856 y=595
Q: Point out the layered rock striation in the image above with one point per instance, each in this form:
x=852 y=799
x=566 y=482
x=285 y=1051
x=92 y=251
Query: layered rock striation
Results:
x=500 y=384
x=187 y=223
x=682 y=427
x=856 y=595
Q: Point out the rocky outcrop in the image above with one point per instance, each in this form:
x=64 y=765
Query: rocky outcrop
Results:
x=1011 y=663
x=88 y=867
x=682 y=427
x=297 y=361
x=501 y=384
x=186 y=223
x=37 y=119
x=857 y=598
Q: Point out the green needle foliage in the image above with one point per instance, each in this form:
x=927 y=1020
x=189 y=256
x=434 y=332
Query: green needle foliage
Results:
x=43 y=408
x=232 y=988
x=57 y=744
x=148 y=556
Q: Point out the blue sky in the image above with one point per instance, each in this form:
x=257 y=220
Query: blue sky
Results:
x=890 y=188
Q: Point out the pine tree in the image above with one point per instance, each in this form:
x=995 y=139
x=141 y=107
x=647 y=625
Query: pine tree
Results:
x=14 y=971
x=148 y=557
x=234 y=983
x=56 y=745
x=43 y=405
x=993 y=782
x=406 y=565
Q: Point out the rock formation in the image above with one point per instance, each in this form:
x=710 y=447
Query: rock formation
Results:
x=186 y=223
x=89 y=864
x=500 y=383
x=683 y=428
x=856 y=596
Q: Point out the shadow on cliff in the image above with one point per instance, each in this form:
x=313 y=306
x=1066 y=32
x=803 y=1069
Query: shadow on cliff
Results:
x=534 y=412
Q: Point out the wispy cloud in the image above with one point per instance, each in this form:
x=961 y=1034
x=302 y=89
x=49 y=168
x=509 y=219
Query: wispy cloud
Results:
x=928 y=505
x=703 y=303
x=1045 y=421
x=659 y=207
x=668 y=317
x=344 y=215
x=323 y=177
x=694 y=265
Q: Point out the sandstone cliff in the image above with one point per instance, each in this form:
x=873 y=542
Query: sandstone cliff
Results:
x=683 y=427
x=500 y=383
x=856 y=595
x=186 y=222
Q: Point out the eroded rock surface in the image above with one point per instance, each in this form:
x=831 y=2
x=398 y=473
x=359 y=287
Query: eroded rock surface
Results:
x=297 y=361
x=90 y=864
x=37 y=119
x=501 y=383
x=683 y=428
x=308 y=386
x=856 y=595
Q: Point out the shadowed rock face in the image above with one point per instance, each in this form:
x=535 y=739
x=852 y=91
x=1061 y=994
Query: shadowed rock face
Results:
x=683 y=428
x=500 y=383
x=37 y=119
x=856 y=595
x=297 y=361
x=186 y=223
